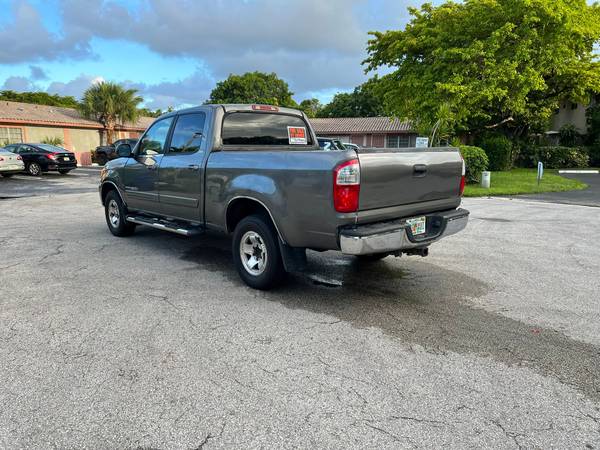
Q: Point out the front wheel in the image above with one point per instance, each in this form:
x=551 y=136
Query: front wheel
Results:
x=256 y=253
x=116 y=216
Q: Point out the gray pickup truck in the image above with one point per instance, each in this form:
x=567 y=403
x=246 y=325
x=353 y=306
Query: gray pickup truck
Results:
x=257 y=172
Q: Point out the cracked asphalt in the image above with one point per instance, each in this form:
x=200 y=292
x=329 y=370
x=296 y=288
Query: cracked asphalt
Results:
x=153 y=342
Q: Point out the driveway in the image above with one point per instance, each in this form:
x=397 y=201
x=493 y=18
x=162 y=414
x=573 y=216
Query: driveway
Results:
x=153 y=342
x=587 y=197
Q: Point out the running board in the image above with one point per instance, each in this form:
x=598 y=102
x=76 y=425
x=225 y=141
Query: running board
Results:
x=166 y=226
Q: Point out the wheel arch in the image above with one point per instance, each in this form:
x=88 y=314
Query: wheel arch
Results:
x=241 y=206
x=107 y=187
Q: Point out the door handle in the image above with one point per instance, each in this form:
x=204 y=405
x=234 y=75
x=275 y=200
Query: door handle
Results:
x=194 y=167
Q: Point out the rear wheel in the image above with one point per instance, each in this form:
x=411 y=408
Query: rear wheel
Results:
x=116 y=216
x=7 y=175
x=34 y=169
x=256 y=252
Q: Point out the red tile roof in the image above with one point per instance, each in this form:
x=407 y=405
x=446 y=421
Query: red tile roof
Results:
x=352 y=125
x=25 y=113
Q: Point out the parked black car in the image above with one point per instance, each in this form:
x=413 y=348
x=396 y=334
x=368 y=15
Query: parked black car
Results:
x=105 y=153
x=39 y=158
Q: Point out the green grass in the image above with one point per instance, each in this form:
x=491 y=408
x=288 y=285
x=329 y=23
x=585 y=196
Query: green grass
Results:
x=524 y=181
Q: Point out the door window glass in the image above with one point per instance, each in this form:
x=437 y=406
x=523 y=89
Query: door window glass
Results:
x=153 y=142
x=187 y=135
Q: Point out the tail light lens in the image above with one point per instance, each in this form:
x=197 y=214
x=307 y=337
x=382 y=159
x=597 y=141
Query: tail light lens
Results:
x=19 y=158
x=1 y=158
x=463 y=178
x=51 y=156
x=346 y=186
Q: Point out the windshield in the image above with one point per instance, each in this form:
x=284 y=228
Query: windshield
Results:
x=50 y=148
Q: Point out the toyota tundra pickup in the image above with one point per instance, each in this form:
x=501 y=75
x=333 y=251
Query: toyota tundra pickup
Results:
x=257 y=172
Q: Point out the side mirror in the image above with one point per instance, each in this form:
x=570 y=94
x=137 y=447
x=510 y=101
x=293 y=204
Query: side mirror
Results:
x=124 y=151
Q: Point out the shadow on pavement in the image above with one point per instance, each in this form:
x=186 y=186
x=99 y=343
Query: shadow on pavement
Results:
x=419 y=303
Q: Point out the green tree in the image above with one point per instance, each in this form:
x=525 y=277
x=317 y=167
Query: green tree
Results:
x=39 y=98
x=495 y=64
x=364 y=101
x=310 y=107
x=145 y=112
x=110 y=104
x=253 y=87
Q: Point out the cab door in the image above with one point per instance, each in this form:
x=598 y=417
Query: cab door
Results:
x=140 y=175
x=181 y=173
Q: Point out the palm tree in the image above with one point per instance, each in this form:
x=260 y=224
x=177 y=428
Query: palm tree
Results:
x=110 y=103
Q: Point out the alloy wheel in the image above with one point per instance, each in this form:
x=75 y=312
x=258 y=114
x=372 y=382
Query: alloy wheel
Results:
x=253 y=253
x=114 y=216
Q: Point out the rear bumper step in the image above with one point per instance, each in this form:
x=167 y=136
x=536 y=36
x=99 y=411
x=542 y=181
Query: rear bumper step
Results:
x=396 y=235
x=173 y=227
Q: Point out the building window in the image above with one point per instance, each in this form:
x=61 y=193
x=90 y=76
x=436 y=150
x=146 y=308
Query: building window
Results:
x=10 y=135
x=397 y=141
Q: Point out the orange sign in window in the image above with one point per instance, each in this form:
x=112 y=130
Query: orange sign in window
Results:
x=297 y=135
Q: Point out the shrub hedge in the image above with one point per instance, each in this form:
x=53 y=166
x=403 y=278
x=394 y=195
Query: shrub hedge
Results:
x=594 y=153
x=556 y=157
x=476 y=161
x=499 y=150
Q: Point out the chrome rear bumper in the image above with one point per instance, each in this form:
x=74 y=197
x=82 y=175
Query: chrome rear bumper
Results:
x=389 y=237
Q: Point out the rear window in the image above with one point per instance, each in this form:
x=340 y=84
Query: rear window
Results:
x=50 y=148
x=265 y=129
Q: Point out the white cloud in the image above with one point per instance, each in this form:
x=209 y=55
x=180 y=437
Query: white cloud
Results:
x=17 y=84
x=27 y=39
x=75 y=87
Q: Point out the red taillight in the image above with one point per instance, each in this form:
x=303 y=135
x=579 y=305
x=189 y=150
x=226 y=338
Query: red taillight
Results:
x=19 y=158
x=346 y=186
x=51 y=156
x=463 y=178
x=1 y=158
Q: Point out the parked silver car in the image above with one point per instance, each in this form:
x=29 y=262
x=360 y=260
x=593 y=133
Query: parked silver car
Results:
x=10 y=163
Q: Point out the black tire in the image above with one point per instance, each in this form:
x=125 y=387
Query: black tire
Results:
x=372 y=258
x=34 y=169
x=64 y=172
x=115 y=213
x=8 y=175
x=255 y=275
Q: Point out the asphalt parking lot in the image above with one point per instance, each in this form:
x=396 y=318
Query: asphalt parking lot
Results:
x=153 y=342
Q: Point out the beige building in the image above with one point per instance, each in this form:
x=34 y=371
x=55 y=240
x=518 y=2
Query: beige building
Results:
x=570 y=113
x=24 y=122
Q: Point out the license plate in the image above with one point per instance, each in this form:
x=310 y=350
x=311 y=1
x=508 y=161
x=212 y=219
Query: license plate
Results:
x=418 y=225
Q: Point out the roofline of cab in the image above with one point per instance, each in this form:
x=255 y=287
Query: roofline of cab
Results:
x=232 y=107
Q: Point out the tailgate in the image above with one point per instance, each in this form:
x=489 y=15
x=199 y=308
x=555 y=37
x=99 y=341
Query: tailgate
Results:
x=394 y=177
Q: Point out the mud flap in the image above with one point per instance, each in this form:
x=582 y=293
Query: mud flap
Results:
x=294 y=258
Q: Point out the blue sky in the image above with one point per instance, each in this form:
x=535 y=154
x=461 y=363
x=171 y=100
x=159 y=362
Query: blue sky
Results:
x=174 y=51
